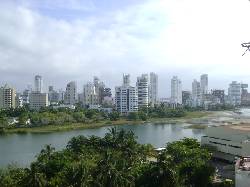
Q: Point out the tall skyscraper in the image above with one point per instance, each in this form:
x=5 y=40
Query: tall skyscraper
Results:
x=142 y=88
x=204 y=84
x=53 y=95
x=38 y=84
x=153 y=89
x=176 y=90
x=196 y=93
x=70 y=96
x=126 y=97
x=90 y=97
x=7 y=97
x=234 y=93
x=186 y=98
x=126 y=79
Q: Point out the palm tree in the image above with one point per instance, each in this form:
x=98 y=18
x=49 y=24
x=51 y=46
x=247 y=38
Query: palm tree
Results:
x=111 y=173
x=46 y=153
x=34 y=179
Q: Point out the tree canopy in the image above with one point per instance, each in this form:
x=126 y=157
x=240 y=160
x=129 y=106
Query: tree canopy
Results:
x=117 y=159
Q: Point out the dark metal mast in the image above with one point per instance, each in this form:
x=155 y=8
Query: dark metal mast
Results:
x=246 y=45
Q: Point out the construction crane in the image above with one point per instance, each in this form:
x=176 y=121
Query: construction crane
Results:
x=246 y=45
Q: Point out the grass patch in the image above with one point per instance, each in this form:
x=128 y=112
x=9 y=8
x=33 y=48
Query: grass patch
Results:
x=122 y=121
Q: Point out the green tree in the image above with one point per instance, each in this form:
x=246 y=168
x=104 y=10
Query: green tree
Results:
x=133 y=116
x=113 y=116
x=142 y=115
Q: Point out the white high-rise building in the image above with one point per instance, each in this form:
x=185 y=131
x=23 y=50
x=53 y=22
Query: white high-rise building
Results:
x=176 y=90
x=70 y=97
x=153 y=89
x=126 y=97
x=90 y=97
x=7 y=97
x=204 y=84
x=142 y=88
x=196 y=93
x=234 y=93
x=38 y=84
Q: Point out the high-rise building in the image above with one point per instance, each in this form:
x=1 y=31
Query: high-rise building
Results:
x=176 y=90
x=61 y=94
x=186 y=98
x=7 y=97
x=70 y=97
x=196 y=93
x=38 y=84
x=204 y=84
x=18 y=100
x=53 y=95
x=126 y=97
x=25 y=96
x=38 y=100
x=234 y=93
x=126 y=79
x=220 y=94
x=153 y=89
x=142 y=89
x=90 y=97
x=51 y=88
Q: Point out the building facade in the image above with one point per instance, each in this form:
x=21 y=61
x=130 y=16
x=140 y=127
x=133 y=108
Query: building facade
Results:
x=196 y=93
x=7 y=97
x=231 y=140
x=70 y=96
x=186 y=98
x=176 y=90
x=38 y=100
x=204 y=84
x=234 y=93
x=126 y=79
x=142 y=89
x=126 y=97
x=90 y=97
x=38 y=84
x=53 y=95
x=220 y=94
x=153 y=89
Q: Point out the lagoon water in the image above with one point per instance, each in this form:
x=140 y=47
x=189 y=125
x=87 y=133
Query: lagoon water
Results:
x=21 y=149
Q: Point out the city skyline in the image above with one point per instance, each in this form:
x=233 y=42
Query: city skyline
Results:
x=87 y=38
x=80 y=85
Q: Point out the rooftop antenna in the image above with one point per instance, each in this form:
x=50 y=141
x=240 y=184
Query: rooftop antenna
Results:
x=247 y=45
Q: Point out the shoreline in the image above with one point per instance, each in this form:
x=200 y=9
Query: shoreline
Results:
x=106 y=123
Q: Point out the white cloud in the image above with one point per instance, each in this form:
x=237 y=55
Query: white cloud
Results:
x=181 y=37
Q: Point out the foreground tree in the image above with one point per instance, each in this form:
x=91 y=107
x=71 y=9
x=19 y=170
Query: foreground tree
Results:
x=115 y=160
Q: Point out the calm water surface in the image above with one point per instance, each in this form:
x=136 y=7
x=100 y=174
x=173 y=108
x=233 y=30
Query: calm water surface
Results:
x=22 y=148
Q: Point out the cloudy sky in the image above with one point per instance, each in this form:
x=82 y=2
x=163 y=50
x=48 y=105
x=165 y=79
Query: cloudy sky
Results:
x=65 y=40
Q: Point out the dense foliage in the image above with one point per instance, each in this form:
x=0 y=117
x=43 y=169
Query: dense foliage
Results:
x=112 y=161
x=49 y=116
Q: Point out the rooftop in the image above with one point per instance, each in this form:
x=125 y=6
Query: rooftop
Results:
x=243 y=164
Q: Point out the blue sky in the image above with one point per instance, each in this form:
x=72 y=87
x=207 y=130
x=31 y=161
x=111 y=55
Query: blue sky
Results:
x=65 y=40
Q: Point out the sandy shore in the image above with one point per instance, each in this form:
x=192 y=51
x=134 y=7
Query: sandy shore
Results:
x=219 y=118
